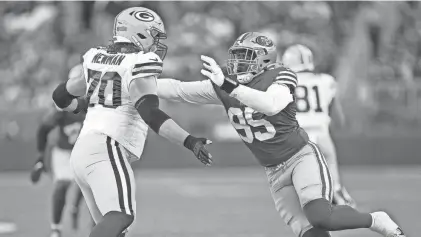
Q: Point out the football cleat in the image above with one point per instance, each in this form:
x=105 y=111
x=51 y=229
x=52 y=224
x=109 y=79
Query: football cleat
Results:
x=37 y=171
x=342 y=197
x=384 y=225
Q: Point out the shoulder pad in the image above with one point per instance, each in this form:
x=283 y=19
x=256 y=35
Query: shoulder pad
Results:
x=88 y=54
x=331 y=82
x=286 y=76
x=328 y=77
x=147 y=64
x=274 y=66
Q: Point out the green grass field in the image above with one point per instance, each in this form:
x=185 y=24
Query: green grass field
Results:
x=214 y=202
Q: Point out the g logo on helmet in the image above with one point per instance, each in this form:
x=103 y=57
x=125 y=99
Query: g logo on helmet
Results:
x=144 y=16
x=264 y=41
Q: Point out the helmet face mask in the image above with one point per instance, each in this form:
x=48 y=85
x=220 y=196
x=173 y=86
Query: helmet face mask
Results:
x=251 y=53
x=242 y=60
x=158 y=47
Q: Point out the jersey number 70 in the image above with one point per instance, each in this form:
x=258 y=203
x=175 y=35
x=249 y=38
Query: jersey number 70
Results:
x=260 y=129
x=109 y=92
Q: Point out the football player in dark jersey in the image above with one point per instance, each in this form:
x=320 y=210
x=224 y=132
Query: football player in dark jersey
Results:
x=258 y=96
x=57 y=156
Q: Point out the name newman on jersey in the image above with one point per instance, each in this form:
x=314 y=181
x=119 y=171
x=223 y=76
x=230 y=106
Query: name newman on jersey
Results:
x=108 y=59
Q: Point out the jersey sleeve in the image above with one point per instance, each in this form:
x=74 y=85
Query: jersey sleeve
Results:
x=331 y=84
x=287 y=77
x=84 y=62
x=195 y=92
x=146 y=65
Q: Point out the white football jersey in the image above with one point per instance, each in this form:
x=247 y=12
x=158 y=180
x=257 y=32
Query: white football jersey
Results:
x=111 y=111
x=314 y=95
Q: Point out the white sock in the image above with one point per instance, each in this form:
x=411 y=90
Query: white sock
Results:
x=55 y=226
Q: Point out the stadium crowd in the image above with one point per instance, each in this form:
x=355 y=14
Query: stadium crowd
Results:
x=376 y=59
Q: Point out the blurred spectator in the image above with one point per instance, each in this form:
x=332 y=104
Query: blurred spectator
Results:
x=42 y=40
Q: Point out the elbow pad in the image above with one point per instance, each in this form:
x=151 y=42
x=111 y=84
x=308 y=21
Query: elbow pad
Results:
x=62 y=97
x=148 y=108
x=82 y=105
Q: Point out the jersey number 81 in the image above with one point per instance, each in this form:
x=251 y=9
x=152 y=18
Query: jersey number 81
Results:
x=253 y=129
x=304 y=100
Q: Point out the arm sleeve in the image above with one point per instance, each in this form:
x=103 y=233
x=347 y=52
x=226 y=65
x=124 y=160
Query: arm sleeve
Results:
x=49 y=122
x=196 y=92
x=269 y=102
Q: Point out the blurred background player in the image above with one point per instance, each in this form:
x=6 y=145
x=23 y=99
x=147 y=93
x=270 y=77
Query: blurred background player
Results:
x=315 y=95
x=56 y=155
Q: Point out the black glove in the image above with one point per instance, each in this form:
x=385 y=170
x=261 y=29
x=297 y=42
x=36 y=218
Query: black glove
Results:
x=198 y=147
x=37 y=169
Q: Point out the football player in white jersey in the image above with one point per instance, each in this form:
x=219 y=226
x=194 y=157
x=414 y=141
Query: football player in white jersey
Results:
x=119 y=82
x=315 y=96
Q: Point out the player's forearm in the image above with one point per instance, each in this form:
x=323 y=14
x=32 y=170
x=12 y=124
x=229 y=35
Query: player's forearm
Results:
x=159 y=121
x=66 y=101
x=173 y=132
x=195 y=92
x=267 y=102
x=42 y=135
x=62 y=97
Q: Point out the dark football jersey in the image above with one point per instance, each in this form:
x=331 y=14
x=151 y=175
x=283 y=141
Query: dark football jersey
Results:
x=272 y=139
x=69 y=126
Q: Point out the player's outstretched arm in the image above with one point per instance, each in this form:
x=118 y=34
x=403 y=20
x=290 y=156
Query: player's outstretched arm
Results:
x=269 y=102
x=194 y=92
x=68 y=95
x=48 y=123
x=143 y=93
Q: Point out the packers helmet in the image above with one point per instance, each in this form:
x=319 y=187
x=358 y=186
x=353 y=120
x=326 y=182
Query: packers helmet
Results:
x=250 y=54
x=143 y=27
x=299 y=58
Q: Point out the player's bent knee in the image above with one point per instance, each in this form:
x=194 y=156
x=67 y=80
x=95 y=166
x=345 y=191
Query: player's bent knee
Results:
x=315 y=232
x=318 y=213
x=121 y=220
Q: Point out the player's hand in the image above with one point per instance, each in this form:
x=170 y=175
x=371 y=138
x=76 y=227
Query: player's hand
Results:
x=38 y=169
x=212 y=70
x=198 y=147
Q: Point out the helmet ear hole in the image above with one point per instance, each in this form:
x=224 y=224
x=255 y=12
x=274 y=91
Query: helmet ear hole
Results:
x=141 y=36
x=266 y=60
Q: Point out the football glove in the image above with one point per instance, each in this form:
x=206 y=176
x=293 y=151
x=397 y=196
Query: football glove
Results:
x=37 y=169
x=198 y=147
x=215 y=74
